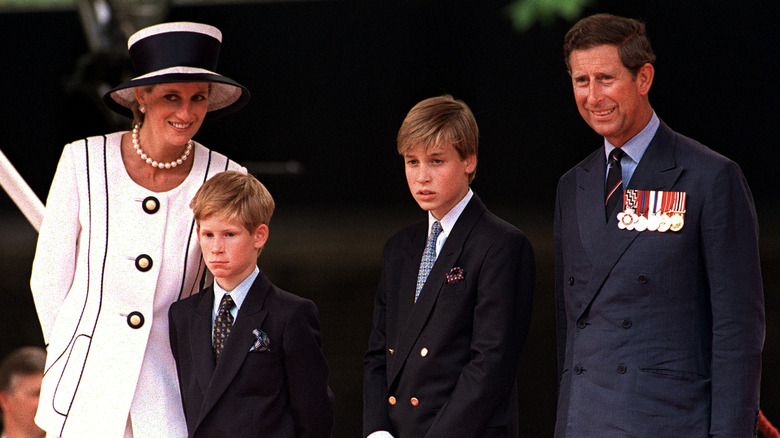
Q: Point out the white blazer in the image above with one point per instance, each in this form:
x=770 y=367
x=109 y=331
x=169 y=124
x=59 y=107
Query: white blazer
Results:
x=111 y=258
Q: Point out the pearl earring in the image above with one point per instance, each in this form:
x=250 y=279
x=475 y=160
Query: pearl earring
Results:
x=142 y=108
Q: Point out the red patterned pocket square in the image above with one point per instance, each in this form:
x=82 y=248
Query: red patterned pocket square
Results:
x=455 y=275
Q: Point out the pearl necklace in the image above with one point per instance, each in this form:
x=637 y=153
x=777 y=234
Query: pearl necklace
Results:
x=154 y=163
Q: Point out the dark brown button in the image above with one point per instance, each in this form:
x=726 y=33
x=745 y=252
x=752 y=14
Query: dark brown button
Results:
x=143 y=263
x=642 y=279
x=414 y=401
x=621 y=369
x=150 y=205
x=581 y=323
x=626 y=323
x=578 y=370
x=135 y=320
x=571 y=281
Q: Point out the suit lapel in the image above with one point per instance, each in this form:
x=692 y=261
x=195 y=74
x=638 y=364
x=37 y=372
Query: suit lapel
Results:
x=413 y=255
x=250 y=316
x=606 y=244
x=419 y=312
x=201 y=339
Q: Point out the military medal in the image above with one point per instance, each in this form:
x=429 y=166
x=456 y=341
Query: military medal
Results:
x=652 y=210
x=652 y=214
x=678 y=211
x=627 y=217
x=640 y=222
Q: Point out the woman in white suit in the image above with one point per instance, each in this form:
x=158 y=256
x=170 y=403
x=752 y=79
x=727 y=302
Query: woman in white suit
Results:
x=116 y=246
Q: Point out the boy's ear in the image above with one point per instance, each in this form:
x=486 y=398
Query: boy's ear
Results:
x=471 y=163
x=197 y=232
x=261 y=236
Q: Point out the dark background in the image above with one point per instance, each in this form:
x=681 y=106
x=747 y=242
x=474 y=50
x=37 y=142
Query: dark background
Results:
x=331 y=83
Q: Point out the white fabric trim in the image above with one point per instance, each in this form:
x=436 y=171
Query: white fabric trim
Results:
x=179 y=26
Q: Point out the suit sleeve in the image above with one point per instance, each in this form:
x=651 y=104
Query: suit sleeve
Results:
x=307 y=374
x=501 y=319
x=730 y=246
x=54 y=264
x=375 y=415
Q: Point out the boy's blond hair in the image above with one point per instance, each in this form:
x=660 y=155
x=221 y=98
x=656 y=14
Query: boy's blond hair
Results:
x=438 y=121
x=236 y=195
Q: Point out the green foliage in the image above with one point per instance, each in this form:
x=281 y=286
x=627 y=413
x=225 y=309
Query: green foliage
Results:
x=526 y=13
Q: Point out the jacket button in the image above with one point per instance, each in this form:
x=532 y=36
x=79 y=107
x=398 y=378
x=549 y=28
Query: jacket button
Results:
x=621 y=369
x=571 y=281
x=578 y=370
x=135 y=320
x=424 y=352
x=642 y=279
x=414 y=401
x=143 y=263
x=581 y=323
x=626 y=323
x=391 y=351
x=151 y=205
x=391 y=400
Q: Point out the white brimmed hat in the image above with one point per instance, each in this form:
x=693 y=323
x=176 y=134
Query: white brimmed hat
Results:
x=178 y=52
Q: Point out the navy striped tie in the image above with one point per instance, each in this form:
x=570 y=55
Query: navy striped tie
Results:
x=614 y=189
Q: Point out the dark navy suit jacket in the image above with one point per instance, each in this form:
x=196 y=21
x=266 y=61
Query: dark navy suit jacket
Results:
x=446 y=365
x=282 y=392
x=659 y=334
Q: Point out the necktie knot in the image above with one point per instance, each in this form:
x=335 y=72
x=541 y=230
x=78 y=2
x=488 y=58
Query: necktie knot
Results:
x=428 y=258
x=615 y=156
x=226 y=303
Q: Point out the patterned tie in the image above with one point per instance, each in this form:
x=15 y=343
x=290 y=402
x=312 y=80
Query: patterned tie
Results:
x=222 y=324
x=614 y=189
x=428 y=258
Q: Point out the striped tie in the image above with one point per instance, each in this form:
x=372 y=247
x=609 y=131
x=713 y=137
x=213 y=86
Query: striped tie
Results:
x=614 y=189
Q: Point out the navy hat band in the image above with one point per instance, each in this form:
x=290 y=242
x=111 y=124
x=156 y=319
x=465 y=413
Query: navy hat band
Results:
x=175 y=48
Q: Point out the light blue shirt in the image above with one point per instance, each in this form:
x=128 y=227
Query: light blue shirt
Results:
x=238 y=294
x=634 y=149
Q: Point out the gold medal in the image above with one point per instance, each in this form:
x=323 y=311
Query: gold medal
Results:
x=664 y=222
x=676 y=222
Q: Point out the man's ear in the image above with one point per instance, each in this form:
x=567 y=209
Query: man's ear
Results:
x=644 y=78
x=261 y=236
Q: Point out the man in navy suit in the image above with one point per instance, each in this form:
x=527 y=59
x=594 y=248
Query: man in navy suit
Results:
x=660 y=301
x=248 y=354
x=453 y=305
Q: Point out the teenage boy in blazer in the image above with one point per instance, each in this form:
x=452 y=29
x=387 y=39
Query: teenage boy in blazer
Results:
x=267 y=376
x=443 y=351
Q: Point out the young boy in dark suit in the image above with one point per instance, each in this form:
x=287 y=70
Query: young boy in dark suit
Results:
x=248 y=354
x=453 y=305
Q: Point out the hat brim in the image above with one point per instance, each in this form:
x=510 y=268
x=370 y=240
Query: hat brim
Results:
x=226 y=96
